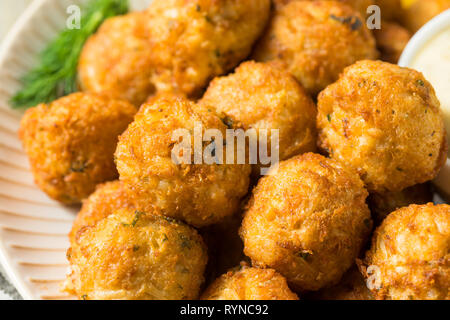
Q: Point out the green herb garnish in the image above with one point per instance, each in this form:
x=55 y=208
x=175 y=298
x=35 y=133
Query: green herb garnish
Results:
x=56 y=73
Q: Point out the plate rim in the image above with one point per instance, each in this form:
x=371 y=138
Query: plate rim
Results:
x=12 y=37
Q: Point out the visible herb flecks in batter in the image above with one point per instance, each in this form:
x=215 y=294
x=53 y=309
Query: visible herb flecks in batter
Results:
x=185 y=242
x=78 y=166
x=137 y=216
x=354 y=22
x=304 y=255
x=208 y=19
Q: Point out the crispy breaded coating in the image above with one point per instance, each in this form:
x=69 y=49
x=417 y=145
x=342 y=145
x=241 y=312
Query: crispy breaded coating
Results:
x=192 y=41
x=117 y=59
x=360 y=5
x=316 y=40
x=248 y=283
x=389 y=9
x=391 y=39
x=70 y=143
x=351 y=287
x=410 y=258
x=383 y=204
x=308 y=221
x=174 y=46
x=265 y=96
x=107 y=198
x=385 y=121
x=134 y=255
x=199 y=194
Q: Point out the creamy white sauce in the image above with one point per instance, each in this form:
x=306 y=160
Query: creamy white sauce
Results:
x=433 y=60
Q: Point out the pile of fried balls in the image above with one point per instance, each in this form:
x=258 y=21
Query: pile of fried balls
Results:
x=346 y=214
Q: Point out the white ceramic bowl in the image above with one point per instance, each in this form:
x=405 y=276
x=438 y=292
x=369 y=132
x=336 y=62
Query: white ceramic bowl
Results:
x=33 y=228
x=415 y=45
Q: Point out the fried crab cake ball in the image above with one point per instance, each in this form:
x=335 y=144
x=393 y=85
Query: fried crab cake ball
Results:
x=420 y=12
x=154 y=160
x=248 y=283
x=264 y=96
x=316 y=41
x=134 y=255
x=390 y=9
x=70 y=143
x=360 y=5
x=383 y=204
x=308 y=221
x=409 y=258
x=117 y=59
x=351 y=287
x=194 y=40
x=106 y=199
x=385 y=121
x=391 y=39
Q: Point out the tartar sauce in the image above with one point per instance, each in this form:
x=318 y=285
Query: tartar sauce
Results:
x=433 y=60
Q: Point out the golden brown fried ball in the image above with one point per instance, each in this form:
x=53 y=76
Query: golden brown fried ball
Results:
x=384 y=121
x=316 y=40
x=107 y=198
x=422 y=11
x=351 y=287
x=265 y=96
x=391 y=39
x=410 y=258
x=194 y=40
x=308 y=221
x=390 y=9
x=70 y=143
x=360 y=5
x=117 y=59
x=199 y=194
x=247 y=283
x=383 y=204
x=136 y=256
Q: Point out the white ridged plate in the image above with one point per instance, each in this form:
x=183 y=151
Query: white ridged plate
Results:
x=33 y=228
